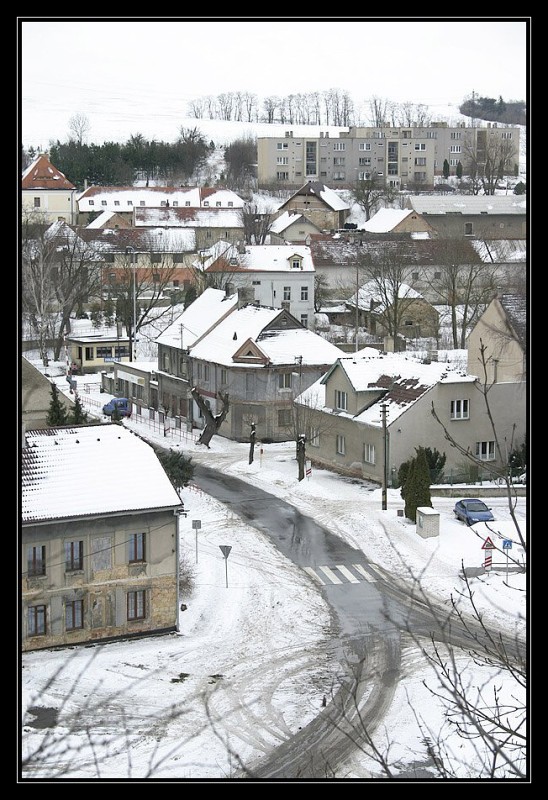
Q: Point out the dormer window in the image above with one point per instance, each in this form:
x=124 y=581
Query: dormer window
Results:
x=296 y=262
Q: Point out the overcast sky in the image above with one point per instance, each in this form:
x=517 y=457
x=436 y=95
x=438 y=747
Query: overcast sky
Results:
x=144 y=66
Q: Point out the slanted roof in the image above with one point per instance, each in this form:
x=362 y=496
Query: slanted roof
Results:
x=327 y=195
x=90 y=471
x=198 y=318
x=386 y=219
x=267 y=328
x=468 y=204
x=378 y=293
x=264 y=258
x=515 y=308
x=188 y=217
x=41 y=174
x=393 y=378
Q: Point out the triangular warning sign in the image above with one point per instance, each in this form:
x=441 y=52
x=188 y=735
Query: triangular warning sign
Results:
x=488 y=544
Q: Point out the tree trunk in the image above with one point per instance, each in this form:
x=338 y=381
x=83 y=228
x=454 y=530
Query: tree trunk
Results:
x=213 y=423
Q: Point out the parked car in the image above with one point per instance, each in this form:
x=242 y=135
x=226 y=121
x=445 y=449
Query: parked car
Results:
x=471 y=510
x=119 y=404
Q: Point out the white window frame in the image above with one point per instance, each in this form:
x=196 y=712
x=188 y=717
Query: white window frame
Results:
x=369 y=453
x=485 y=451
x=339 y=145
x=460 y=409
x=420 y=146
x=341 y=445
x=284 y=381
x=341 y=400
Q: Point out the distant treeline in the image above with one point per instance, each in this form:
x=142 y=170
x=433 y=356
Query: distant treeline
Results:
x=491 y=110
x=113 y=164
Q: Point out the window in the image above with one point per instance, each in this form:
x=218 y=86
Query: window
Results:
x=187 y=202
x=460 y=409
x=415 y=276
x=136 y=605
x=364 y=176
x=206 y=372
x=468 y=229
x=296 y=263
x=224 y=376
x=420 y=162
x=304 y=320
x=284 y=417
x=116 y=202
x=178 y=258
x=282 y=161
x=206 y=203
x=103 y=352
x=341 y=400
x=74 y=556
x=485 y=451
x=284 y=380
x=36 y=561
x=419 y=146
x=282 y=176
x=369 y=453
x=454 y=162
x=141 y=202
x=338 y=176
x=74 y=615
x=304 y=292
x=175 y=204
x=230 y=204
x=287 y=292
x=36 y=620
x=217 y=204
x=339 y=146
x=364 y=146
x=338 y=161
x=136 y=547
x=341 y=445
x=455 y=148
x=437 y=275
x=365 y=161
x=431 y=134
x=282 y=146
x=456 y=135
x=103 y=202
x=156 y=277
x=314 y=440
x=37 y=202
x=506 y=135
x=130 y=202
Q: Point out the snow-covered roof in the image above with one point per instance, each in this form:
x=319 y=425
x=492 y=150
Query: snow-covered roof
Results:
x=272 y=258
x=386 y=219
x=126 y=198
x=373 y=292
x=188 y=217
x=402 y=380
x=278 y=346
x=497 y=251
x=91 y=470
x=327 y=195
x=41 y=174
x=286 y=219
x=208 y=308
x=468 y=204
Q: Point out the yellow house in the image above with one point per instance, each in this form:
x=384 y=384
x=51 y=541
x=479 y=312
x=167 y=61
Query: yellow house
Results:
x=46 y=194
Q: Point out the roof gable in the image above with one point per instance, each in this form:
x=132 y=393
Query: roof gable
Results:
x=41 y=174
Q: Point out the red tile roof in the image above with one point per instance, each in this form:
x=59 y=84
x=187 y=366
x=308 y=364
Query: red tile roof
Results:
x=43 y=175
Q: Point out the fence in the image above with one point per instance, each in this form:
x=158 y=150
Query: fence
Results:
x=155 y=421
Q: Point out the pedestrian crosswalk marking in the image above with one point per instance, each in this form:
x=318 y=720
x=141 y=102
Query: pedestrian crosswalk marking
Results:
x=347 y=574
x=366 y=575
x=330 y=574
x=314 y=575
x=332 y=577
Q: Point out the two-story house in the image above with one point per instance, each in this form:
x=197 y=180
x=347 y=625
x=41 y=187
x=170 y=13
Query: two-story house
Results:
x=99 y=553
x=319 y=204
x=376 y=308
x=279 y=276
x=497 y=345
x=371 y=410
x=46 y=194
x=261 y=357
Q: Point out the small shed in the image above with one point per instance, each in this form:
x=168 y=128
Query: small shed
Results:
x=428 y=522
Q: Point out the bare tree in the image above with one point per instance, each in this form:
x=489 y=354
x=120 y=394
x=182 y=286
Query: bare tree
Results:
x=370 y=193
x=79 y=127
x=466 y=288
x=489 y=159
x=213 y=421
x=256 y=223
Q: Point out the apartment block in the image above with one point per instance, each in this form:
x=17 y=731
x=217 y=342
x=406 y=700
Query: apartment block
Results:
x=402 y=157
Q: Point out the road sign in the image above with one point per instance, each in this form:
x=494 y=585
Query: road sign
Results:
x=488 y=544
x=196 y=523
x=225 y=549
x=507 y=544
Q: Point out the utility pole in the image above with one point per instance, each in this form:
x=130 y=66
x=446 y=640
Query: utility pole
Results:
x=384 y=407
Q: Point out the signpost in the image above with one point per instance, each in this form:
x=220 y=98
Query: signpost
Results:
x=308 y=469
x=225 y=550
x=488 y=545
x=507 y=545
x=197 y=524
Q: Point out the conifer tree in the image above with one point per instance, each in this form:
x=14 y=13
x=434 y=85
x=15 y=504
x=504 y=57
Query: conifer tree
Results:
x=79 y=416
x=417 y=486
x=57 y=413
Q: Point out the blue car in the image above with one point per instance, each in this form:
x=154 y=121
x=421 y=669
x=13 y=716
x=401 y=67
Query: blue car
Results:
x=119 y=405
x=472 y=510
